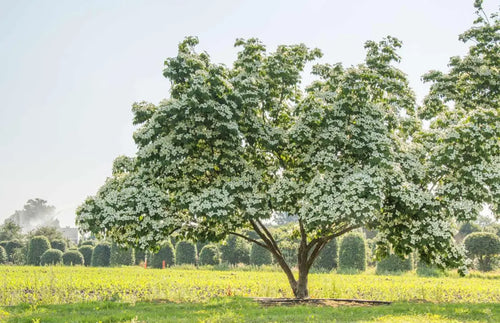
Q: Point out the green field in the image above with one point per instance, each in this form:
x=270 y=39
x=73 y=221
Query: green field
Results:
x=134 y=294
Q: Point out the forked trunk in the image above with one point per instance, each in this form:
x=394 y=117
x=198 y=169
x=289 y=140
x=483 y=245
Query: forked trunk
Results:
x=301 y=290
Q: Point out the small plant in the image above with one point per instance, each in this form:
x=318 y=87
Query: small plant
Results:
x=51 y=257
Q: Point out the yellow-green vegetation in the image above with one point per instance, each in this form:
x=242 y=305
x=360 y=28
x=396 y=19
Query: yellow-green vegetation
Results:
x=56 y=285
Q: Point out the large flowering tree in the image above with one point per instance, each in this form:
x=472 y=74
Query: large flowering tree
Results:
x=233 y=146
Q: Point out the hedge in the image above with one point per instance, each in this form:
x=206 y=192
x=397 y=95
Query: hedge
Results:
x=58 y=244
x=394 y=264
x=3 y=256
x=235 y=251
x=328 y=259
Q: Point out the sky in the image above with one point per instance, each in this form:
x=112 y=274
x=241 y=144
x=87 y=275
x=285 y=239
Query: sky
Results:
x=70 y=71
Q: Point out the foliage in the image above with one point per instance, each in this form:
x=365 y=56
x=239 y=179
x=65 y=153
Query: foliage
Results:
x=3 y=256
x=36 y=247
x=235 y=251
x=51 y=257
x=101 y=255
x=185 y=253
x=4 y=243
x=58 y=244
x=166 y=253
x=483 y=247
x=86 y=251
x=35 y=213
x=209 y=255
x=10 y=231
x=260 y=256
x=352 y=253
x=394 y=264
x=468 y=228
x=328 y=259
x=73 y=258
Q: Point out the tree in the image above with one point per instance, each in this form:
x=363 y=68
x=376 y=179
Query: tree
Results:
x=328 y=258
x=233 y=146
x=185 y=253
x=121 y=256
x=101 y=255
x=3 y=256
x=260 y=256
x=483 y=247
x=10 y=231
x=86 y=252
x=352 y=252
x=235 y=251
x=36 y=212
x=50 y=232
x=166 y=253
x=209 y=255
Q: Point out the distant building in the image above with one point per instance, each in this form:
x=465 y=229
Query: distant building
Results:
x=71 y=234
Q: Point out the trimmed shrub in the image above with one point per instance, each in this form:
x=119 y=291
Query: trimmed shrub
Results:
x=37 y=246
x=100 y=255
x=260 y=256
x=58 y=244
x=328 y=258
x=166 y=253
x=86 y=252
x=3 y=256
x=185 y=253
x=199 y=247
x=483 y=247
x=4 y=243
x=11 y=248
x=121 y=257
x=394 y=264
x=352 y=254
x=51 y=257
x=235 y=251
x=18 y=256
x=210 y=255
x=72 y=258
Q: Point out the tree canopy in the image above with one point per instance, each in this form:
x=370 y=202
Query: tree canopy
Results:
x=233 y=146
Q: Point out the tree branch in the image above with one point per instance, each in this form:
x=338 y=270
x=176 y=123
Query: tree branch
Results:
x=250 y=239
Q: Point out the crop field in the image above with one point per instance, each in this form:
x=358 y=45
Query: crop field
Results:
x=62 y=285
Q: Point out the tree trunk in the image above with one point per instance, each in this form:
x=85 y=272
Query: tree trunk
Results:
x=301 y=290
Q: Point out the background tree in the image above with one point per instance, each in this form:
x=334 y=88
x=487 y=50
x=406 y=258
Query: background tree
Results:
x=51 y=233
x=3 y=256
x=10 y=231
x=235 y=251
x=36 y=247
x=233 y=146
x=328 y=258
x=483 y=247
x=35 y=213
x=260 y=256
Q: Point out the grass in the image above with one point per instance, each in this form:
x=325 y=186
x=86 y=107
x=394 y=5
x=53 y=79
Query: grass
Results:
x=60 y=285
x=238 y=309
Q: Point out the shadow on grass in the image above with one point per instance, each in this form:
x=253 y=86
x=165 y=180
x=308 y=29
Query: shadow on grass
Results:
x=236 y=309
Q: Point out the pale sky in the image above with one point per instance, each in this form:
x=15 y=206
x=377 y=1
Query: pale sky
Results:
x=70 y=70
